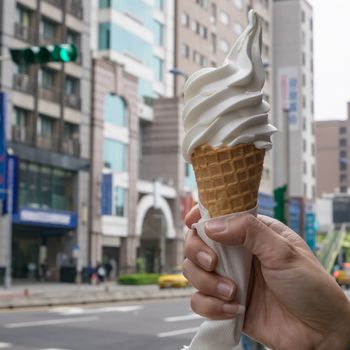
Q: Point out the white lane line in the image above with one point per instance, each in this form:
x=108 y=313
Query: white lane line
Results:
x=80 y=310
x=178 y=332
x=182 y=318
x=51 y=322
x=5 y=345
x=52 y=349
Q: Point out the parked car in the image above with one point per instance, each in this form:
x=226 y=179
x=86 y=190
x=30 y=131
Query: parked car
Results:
x=176 y=279
x=342 y=275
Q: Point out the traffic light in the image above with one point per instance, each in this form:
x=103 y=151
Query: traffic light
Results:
x=44 y=54
x=280 y=199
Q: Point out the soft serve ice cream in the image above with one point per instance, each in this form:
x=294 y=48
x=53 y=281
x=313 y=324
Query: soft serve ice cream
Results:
x=226 y=135
x=224 y=105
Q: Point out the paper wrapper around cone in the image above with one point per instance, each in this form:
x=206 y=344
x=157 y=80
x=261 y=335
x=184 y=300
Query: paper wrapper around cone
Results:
x=228 y=182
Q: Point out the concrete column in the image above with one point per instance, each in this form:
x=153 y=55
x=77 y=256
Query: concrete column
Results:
x=128 y=254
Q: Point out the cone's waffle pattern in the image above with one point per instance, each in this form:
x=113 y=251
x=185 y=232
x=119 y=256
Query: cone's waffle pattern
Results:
x=228 y=179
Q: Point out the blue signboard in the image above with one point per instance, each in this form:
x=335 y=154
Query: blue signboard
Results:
x=106 y=194
x=11 y=181
x=46 y=218
x=310 y=231
x=3 y=100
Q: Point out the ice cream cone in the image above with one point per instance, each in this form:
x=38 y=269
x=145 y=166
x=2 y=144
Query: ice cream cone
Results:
x=228 y=179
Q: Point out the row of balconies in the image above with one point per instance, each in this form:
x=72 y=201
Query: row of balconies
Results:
x=24 y=83
x=73 y=7
x=51 y=143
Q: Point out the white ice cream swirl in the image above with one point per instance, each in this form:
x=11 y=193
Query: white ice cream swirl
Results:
x=224 y=105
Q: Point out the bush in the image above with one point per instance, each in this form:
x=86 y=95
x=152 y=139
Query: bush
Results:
x=139 y=279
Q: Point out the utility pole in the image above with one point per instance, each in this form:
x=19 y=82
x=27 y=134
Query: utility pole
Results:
x=287 y=161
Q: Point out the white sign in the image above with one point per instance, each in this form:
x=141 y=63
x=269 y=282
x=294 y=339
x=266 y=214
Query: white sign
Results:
x=45 y=217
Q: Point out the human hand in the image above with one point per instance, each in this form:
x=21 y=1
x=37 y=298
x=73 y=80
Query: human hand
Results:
x=293 y=303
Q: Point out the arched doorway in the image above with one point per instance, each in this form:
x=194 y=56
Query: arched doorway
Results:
x=156 y=232
x=153 y=241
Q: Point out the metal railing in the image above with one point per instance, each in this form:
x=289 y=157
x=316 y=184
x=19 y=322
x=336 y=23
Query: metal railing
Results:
x=75 y=8
x=22 y=135
x=71 y=147
x=57 y=3
x=49 y=94
x=73 y=101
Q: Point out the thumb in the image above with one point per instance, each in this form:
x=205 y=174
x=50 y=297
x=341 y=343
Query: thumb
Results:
x=258 y=238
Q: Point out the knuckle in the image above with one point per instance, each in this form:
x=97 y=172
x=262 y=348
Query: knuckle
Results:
x=194 y=303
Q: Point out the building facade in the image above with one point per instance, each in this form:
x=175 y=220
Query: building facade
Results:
x=332 y=155
x=134 y=205
x=48 y=123
x=294 y=98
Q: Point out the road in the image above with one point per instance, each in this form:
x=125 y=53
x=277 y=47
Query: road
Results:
x=152 y=325
x=158 y=325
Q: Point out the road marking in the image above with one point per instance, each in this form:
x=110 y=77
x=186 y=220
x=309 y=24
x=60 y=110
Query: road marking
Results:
x=188 y=317
x=5 y=345
x=80 y=310
x=51 y=322
x=178 y=332
x=53 y=349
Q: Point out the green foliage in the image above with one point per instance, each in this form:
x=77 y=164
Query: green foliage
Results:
x=139 y=279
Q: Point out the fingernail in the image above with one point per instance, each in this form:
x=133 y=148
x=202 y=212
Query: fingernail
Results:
x=216 y=226
x=225 y=289
x=233 y=309
x=204 y=260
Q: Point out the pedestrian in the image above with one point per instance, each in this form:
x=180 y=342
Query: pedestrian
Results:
x=100 y=272
x=108 y=268
x=293 y=303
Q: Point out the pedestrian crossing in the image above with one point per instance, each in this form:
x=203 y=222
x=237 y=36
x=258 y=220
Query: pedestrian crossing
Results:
x=11 y=346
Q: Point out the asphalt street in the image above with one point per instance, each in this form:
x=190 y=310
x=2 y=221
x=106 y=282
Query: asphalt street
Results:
x=161 y=325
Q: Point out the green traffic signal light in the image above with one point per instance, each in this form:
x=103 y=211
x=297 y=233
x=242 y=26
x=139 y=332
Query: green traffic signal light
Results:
x=45 y=54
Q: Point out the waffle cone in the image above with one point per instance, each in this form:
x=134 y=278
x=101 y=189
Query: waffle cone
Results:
x=228 y=179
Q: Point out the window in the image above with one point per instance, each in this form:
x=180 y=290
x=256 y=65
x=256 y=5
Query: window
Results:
x=343 y=164
x=343 y=178
x=237 y=28
x=105 y=4
x=343 y=142
x=120 y=200
x=304 y=145
x=203 y=61
x=343 y=154
x=115 y=110
x=303 y=16
x=194 y=25
x=224 y=18
x=304 y=102
x=159 y=33
x=48 y=29
x=304 y=123
x=160 y=5
x=224 y=46
x=304 y=80
x=213 y=13
x=313 y=149
x=202 y=3
x=311 y=24
x=114 y=155
x=213 y=42
x=71 y=86
x=303 y=58
x=46 y=78
x=45 y=126
x=342 y=130
x=238 y=4
x=104 y=36
x=305 y=190
x=158 y=68
x=312 y=65
x=73 y=38
x=185 y=50
x=185 y=19
x=313 y=171
x=21 y=116
x=204 y=32
x=71 y=131
x=304 y=167
x=343 y=189
x=23 y=17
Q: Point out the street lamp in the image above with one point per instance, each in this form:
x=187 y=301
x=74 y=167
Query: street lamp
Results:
x=177 y=72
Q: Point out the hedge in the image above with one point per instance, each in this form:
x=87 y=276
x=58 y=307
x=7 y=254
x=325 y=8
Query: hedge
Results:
x=139 y=279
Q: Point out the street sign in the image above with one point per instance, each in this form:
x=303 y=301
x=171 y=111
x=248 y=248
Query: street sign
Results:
x=106 y=194
x=310 y=230
x=3 y=103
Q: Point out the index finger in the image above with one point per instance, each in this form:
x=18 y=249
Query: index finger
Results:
x=192 y=217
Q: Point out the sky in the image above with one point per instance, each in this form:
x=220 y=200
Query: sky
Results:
x=332 y=58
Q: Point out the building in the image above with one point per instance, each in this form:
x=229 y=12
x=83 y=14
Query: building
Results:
x=48 y=123
x=135 y=202
x=204 y=33
x=294 y=154
x=332 y=144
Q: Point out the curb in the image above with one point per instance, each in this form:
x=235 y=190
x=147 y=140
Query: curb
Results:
x=90 y=298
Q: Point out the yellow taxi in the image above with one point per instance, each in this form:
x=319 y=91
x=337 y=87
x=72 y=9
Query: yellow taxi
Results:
x=342 y=276
x=173 y=280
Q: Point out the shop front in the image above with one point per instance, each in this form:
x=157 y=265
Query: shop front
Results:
x=43 y=245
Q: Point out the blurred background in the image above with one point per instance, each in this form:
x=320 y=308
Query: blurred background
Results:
x=93 y=185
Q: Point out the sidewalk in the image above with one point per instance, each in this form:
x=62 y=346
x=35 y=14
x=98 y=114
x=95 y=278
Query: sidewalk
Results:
x=52 y=294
